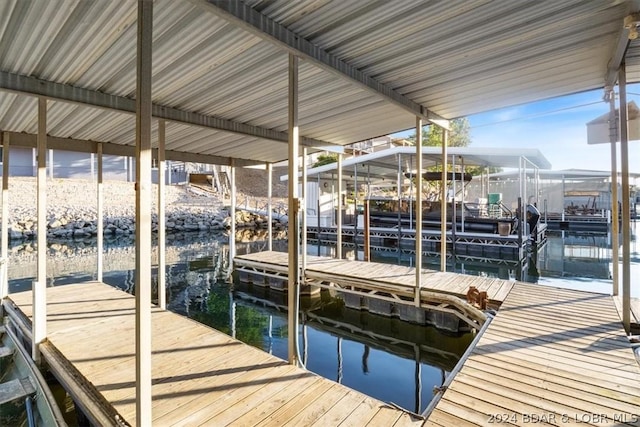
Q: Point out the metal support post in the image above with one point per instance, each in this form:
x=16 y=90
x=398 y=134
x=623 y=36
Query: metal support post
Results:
x=4 y=243
x=339 y=216
x=270 y=205
x=367 y=232
x=40 y=285
x=443 y=202
x=615 y=218
x=303 y=208
x=626 y=208
x=399 y=190
x=162 y=254
x=143 y=212
x=232 y=212
x=100 y=214
x=418 y=212
x=294 y=229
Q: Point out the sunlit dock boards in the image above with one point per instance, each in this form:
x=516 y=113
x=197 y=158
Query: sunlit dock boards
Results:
x=200 y=376
x=634 y=304
x=384 y=277
x=550 y=355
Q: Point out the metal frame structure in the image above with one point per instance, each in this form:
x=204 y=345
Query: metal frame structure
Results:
x=566 y=46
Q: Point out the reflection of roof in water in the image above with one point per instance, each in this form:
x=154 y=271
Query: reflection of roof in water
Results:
x=436 y=348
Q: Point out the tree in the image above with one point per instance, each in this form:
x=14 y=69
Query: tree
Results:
x=459 y=135
x=325 y=159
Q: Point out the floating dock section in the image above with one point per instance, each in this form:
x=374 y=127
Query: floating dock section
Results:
x=200 y=376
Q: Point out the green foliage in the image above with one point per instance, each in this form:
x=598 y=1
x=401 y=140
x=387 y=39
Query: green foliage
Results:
x=459 y=135
x=478 y=170
x=250 y=324
x=325 y=159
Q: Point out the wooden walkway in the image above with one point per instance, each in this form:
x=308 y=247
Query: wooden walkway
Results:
x=384 y=277
x=200 y=376
x=635 y=312
x=549 y=356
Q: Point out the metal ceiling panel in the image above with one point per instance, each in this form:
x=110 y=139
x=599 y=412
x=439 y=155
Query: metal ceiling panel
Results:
x=455 y=58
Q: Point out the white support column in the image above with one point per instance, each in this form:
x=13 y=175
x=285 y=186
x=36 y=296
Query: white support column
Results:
x=340 y=365
x=615 y=223
x=162 y=254
x=40 y=285
x=626 y=212
x=50 y=164
x=339 y=206
x=270 y=205
x=232 y=314
x=100 y=215
x=232 y=212
x=4 y=242
x=462 y=188
x=443 y=203
x=293 y=230
x=303 y=208
x=143 y=212
x=418 y=211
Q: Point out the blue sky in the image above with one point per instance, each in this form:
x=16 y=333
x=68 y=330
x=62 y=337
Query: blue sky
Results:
x=561 y=136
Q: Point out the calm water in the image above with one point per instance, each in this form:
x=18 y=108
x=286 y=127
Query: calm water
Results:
x=383 y=357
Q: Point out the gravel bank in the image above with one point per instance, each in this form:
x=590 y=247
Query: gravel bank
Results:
x=72 y=207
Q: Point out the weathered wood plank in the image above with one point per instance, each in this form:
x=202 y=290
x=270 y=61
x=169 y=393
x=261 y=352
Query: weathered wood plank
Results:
x=588 y=394
x=385 y=416
x=200 y=376
x=293 y=407
x=377 y=276
x=558 y=354
x=274 y=401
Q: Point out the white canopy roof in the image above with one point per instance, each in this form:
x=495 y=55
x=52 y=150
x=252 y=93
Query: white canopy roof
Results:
x=384 y=164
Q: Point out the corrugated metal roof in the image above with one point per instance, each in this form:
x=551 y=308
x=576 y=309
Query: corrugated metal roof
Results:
x=385 y=163
x=455 y=58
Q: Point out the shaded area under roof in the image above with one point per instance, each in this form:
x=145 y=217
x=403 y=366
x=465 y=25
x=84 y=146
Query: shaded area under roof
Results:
x=221 y=82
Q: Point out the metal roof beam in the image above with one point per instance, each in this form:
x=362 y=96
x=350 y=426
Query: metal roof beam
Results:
x=266 y=28
x=628 y=32
x=67 y=93
x=84 y=146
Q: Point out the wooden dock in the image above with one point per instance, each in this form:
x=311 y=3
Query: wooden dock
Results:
x=200 y=376
x=383 y=288
x=381 y=277
x=549 y=356
x=634 y=303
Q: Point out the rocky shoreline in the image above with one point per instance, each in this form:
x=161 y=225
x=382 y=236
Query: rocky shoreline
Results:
x=71 y=211
x=71 y=223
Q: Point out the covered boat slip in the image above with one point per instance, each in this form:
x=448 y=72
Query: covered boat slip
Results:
x=200 y=376
x=547 y=353
x=248 y=82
